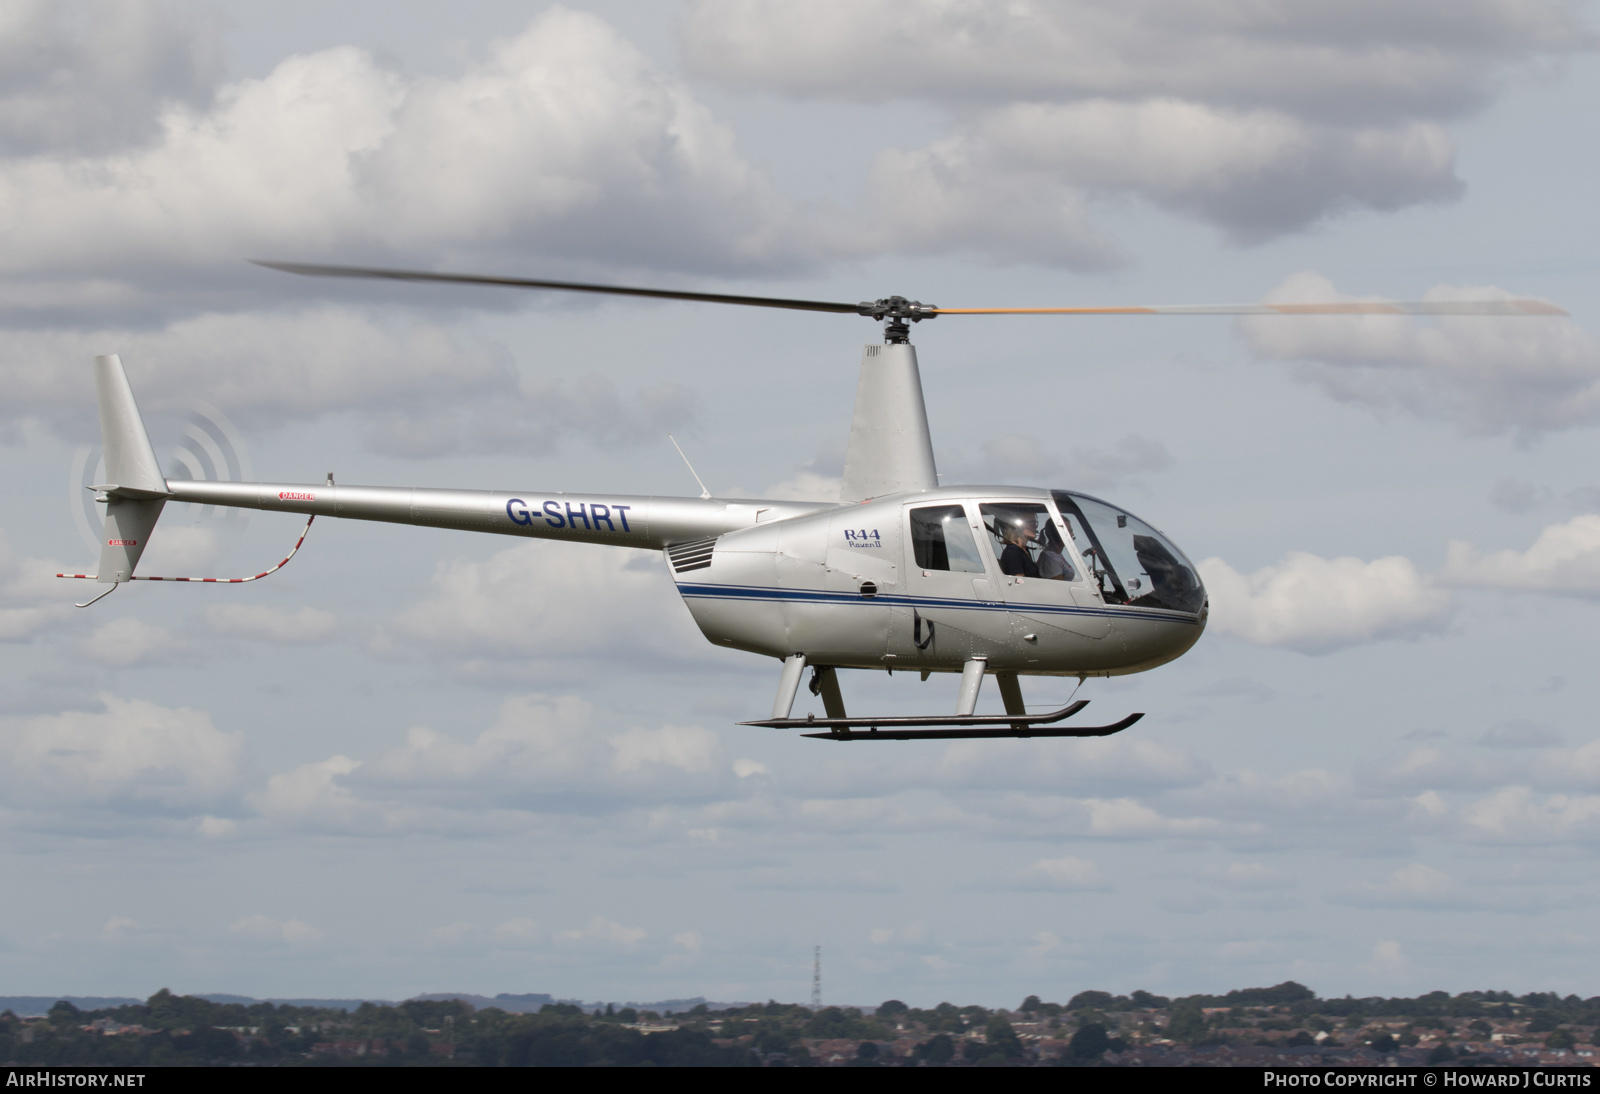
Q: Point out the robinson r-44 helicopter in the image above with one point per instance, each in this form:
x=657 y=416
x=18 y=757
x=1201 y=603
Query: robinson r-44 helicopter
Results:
x=897 y=573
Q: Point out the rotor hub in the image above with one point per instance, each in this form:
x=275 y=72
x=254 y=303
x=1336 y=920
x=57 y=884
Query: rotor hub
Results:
x=897 y=313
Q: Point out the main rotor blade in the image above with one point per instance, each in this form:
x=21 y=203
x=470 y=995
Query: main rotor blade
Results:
x=312 y=270
x=899 y=308
x=1351 y=307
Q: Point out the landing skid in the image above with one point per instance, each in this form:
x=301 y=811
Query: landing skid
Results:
x=959 y=726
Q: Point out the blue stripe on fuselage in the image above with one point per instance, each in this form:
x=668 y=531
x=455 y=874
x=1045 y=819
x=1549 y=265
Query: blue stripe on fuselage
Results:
x=819 y=596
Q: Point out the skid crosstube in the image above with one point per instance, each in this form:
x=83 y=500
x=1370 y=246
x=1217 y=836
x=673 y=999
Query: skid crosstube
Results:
x=947 y=727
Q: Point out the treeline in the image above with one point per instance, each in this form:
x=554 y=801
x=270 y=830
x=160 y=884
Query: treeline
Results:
x=177 y=1030
x=1546 y=1009
x=187 y=1030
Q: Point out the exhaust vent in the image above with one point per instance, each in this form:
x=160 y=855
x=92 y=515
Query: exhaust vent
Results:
x=691 y=556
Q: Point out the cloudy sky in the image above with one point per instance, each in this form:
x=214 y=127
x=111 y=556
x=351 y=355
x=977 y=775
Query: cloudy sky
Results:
x=424 y=761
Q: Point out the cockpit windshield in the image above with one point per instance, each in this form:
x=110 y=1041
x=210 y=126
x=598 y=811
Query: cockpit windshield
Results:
x=1132 y=562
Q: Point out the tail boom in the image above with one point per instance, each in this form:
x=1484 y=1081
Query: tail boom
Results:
x=646 y=522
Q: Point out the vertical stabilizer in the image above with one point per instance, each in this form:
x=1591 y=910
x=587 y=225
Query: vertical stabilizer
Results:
x=135 y=490
x=890 y=450
x=130 y=461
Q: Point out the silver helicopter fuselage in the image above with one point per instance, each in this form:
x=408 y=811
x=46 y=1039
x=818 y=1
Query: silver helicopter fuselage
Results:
x=840 y=583
x=898 y=573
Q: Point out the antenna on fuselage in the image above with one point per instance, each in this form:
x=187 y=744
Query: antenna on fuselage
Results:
x=704 y=493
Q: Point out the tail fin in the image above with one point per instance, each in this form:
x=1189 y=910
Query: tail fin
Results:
x=136 y=490
x=890 y=449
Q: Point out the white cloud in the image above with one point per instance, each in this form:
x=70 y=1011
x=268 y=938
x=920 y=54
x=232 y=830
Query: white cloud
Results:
x=1424 y=887
x=1311 y=807
x=1563 y=561
x=1123 y=818
x=1429 y=805
x=1433 y=767
x=805 y=486
x=417 y=390
x=1259 y=118
x=540 y=757
x=217 y=827
x=268 y=624
x=687 y=748
x=601 y=931
x=1018 y=183
x=538 y=744
x=516 y=932
x=181 y=550
x=32 y=598
x=1515 y=814
x=315 y=794
x=962 y=195
x=910 y=933
x=20 y=624
x=1018 y=457
x=1387 y=959
x=1413 y=886
x=451 y=934
x=1487 y=374
x=1127 y=817
x=127 y=641
x=1364 y=61
x=1318 y=605
x=262 y=928
x=554 y=601
x=1068 y=872
x=563 y=141
x=132 y=755
x=116 y=928
x=1569 y=767
x=94 y=74
x=1101 y=764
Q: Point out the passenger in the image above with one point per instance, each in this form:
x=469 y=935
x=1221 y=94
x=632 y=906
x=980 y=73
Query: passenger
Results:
x=1017 y=532
x=1053 y=563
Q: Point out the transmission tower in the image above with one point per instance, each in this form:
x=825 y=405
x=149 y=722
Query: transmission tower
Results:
x=816 y=979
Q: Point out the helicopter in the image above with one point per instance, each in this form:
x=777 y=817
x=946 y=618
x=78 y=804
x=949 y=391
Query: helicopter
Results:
x=897 y=573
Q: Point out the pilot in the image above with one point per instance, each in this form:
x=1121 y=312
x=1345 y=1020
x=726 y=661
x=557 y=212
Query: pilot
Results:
x=1053 y=564
x=1016 y=533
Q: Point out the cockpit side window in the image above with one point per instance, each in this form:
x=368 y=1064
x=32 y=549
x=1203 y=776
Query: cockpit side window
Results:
x=942 y=540
x=1026 y=541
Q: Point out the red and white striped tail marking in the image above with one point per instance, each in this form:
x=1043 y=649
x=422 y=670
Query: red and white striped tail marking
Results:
x=221 y=580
